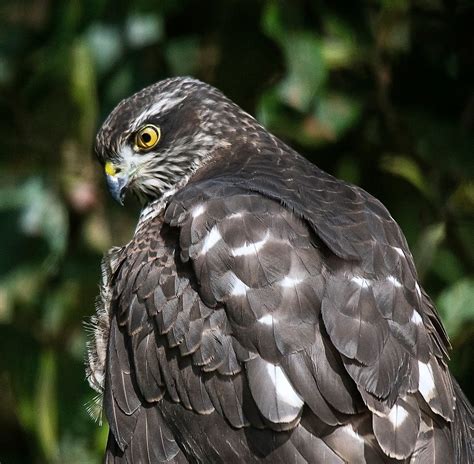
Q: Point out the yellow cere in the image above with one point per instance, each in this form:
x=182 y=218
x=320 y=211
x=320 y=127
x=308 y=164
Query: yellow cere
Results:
x=110 y=169
x=147 y=137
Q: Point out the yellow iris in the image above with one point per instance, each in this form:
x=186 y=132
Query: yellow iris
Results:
x=147 y=137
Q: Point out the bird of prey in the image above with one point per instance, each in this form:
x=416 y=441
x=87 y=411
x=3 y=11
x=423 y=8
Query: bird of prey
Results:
x=264 y=311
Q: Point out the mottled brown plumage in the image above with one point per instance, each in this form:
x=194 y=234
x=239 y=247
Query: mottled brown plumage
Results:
x=264 y=311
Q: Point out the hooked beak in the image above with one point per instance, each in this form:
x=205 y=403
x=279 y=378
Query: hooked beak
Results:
x=117 y=182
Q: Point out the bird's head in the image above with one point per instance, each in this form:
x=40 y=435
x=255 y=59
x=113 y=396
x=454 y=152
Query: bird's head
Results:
x=153 y=141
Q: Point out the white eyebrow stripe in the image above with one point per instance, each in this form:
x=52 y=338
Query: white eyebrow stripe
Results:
x=163 y=105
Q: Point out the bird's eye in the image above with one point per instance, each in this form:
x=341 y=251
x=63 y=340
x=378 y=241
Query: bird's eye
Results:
x=147 y=137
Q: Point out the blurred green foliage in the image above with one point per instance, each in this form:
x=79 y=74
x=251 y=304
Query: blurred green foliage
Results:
x=379 y=93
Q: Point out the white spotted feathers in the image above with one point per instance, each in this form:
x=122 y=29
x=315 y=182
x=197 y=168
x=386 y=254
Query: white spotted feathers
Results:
x=264 y=311
x=232 y=252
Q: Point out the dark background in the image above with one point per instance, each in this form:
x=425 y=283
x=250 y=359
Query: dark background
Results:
x=379 y=93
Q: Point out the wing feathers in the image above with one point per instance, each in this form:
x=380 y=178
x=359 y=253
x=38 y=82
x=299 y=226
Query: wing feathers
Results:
x=155 y=443
x=274 y=395
x=301 y=377
x=397 y=432
x=271 y=327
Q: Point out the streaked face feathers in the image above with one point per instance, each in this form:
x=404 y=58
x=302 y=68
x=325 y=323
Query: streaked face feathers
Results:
x=190 y=130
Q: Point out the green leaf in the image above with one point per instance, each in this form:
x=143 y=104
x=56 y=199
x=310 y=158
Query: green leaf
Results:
x=337 y=113
x=21 y=286
x=83 y=91
x=42 y=214
x=427 y=246
x=407 y=169
x=462 y=200
x=456 y=305
x=46 y=406
x=20 y=363
x=272 y=113
x=143 y=30
x=59 y=306
x=272 y=21
x=101 y=437
x=446 y=266
x=349 y=170
x=307 y=71
x=104 y=45
x=442 y=143
x=340 y=48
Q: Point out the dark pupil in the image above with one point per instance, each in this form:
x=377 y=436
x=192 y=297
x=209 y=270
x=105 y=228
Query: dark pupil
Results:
x=146 y=138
